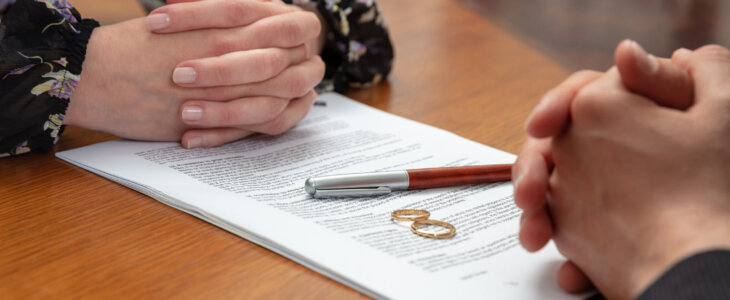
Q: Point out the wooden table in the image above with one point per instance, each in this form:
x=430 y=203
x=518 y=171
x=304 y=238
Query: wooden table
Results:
x=67 y=232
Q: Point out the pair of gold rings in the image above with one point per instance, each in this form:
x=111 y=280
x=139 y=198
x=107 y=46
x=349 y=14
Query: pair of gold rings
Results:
x=419 y=217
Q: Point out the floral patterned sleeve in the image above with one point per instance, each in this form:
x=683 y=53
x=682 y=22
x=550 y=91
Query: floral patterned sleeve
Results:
x=42 y=47
x=357 y=51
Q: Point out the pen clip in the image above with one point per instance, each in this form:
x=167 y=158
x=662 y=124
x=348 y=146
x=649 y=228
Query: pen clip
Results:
x=351 y=192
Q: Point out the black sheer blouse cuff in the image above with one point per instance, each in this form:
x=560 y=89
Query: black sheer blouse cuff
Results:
x=357 y=52
x=42 y=46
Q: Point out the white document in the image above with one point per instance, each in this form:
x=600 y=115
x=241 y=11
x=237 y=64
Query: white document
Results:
x=255 y=189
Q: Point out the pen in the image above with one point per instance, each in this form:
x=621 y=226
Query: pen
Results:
x=381 y=183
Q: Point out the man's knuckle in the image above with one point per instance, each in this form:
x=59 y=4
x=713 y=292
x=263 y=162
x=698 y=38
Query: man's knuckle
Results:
x=584 y=73
x=586 y=103
x=722 y=96
x=716 y=51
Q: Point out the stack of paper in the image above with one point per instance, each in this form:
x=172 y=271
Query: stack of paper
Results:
x=254 y=188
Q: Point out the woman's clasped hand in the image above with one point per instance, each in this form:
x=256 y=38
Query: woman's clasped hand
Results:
x=204 y=73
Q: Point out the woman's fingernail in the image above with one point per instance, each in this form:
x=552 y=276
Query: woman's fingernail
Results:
x=194 y=143
x=192 y=113
x=647 y=63
x=158 y=21
x=184 y=75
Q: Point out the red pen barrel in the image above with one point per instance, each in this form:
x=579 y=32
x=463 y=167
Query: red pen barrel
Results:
x=439 y=177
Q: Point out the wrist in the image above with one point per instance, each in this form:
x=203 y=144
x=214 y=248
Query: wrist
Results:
x=74 y=113
x=85 y=51
x=682 y=234
x=80 y=108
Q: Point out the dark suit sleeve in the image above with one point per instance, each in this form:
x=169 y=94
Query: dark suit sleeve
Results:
x=702 y=276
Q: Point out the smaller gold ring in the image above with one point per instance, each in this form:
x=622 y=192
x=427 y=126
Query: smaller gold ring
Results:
x=443 y=235
x=410 y=214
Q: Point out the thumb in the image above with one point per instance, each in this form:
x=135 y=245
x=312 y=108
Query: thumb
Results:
x=655 y=78
x=710 y=68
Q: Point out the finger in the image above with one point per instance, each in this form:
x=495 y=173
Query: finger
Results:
x=572 y=279
x=183 y=1
x=680 y=57
x=279 y=31
x=658 y=79
x=205 y=138
x=210 y=14
x=710 y=68
x=284 y=31
x=536 y=229
x=552 y=114
x=235 y=113
x=531 y=172
x=607 y=100
x=294 y=112
x=237 y=67
x=294 y=82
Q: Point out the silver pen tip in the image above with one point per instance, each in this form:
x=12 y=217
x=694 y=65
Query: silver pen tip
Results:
x=309 y=186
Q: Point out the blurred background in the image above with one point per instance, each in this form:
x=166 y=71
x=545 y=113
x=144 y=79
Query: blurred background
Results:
x=583 y=33
x=577 y=34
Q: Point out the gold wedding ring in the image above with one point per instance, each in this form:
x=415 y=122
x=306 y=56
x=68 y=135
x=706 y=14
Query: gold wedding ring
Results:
x=410 y=215
x=426 y=222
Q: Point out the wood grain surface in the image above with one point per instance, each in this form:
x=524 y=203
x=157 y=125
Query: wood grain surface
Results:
x=67 y=233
